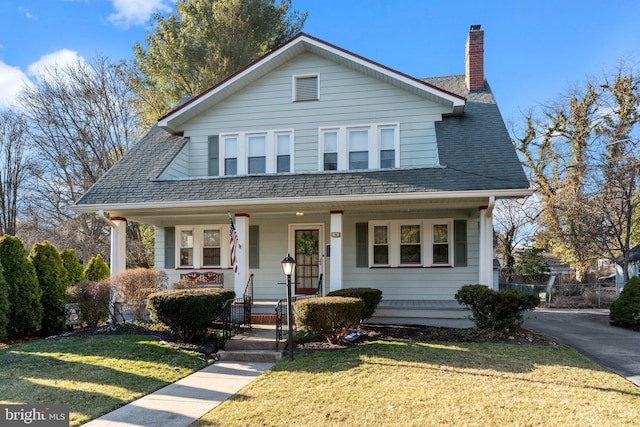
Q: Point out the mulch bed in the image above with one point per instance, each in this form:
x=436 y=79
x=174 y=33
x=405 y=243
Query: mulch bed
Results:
x=368 y=332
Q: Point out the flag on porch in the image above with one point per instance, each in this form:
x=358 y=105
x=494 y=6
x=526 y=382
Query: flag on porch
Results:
x=233 y=242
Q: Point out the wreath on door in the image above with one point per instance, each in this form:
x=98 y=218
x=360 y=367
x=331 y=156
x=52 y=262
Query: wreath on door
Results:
x=307 y=244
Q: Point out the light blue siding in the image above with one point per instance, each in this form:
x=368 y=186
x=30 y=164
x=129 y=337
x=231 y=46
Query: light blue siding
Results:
x=347 y=97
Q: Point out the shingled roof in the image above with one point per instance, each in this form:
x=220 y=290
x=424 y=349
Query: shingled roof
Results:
x=475 y=154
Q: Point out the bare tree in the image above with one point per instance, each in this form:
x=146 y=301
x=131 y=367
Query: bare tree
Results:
x=514 y=223
x=82 y=121
x=14 y=167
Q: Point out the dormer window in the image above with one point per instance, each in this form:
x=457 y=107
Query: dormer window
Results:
x=306 y=87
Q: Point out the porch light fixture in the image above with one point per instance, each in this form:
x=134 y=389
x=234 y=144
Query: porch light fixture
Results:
x=299 y=213
x=288 y=267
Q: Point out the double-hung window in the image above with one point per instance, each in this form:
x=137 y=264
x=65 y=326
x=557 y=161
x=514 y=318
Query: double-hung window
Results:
x=202 y=246
x=387 y=147
x=413 y=243
x=231 y=155
x=283 y=152
x=186 y=248
x=410 y=244
x=330 y=150
x=358 y=149
x=257 y=161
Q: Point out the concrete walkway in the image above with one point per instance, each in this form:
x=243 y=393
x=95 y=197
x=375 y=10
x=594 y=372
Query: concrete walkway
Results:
x=183 y=402
x=589 y=333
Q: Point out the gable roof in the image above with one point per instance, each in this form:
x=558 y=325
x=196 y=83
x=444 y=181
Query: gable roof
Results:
x=294 y=47
x=477 y=159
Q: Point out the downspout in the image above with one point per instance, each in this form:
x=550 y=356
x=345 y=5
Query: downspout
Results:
x=101 y=215
x=491 y=205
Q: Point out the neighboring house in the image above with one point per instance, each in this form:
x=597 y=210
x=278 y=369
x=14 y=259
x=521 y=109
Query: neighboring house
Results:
x=634 y=268
x=366 y=176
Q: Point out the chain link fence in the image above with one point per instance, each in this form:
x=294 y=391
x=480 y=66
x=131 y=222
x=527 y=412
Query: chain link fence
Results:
x=571 y=295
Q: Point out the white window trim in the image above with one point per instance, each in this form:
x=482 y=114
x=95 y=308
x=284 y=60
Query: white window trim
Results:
x=270 y=150
x=374 y=144
x=294 y=86
x=426 y=241
x=198 y=244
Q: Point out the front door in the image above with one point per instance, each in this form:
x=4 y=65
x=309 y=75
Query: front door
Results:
x=307 y=255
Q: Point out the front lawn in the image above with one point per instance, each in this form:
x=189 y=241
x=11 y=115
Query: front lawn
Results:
x=434 y=384
x=92 y=374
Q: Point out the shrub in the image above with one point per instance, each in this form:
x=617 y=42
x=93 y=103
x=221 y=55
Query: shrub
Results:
x=96 y=269
x=25 y=307
x=134 y=286
x=499 y=313
x=52 y=278
x=370 y=298
x=625 y=311
x=188 y=312
x=4 y=306
x=328 y=316
x=72 y=266
x=94 y=299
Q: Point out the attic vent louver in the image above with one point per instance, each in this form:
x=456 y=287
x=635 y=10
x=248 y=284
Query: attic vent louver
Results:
x=306 y=88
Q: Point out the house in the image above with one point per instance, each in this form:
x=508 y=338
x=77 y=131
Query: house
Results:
x=368 y=177
x=633 y=268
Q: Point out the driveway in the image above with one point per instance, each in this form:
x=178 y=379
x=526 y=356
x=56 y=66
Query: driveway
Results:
x=589 y=333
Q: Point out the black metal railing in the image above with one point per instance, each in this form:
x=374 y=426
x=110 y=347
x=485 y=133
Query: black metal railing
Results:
x=236 y=312
x=279 y=319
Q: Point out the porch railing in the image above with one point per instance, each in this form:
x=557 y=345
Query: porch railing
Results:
x=236 y=312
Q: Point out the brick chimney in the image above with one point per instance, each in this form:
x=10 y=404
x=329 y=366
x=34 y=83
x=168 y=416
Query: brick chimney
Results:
x=474 y=59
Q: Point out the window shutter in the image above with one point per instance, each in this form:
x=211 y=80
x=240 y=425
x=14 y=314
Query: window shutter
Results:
x=169 y=247
x=214 y=155
x=362 y=244
x=307 y=88
x=460 y=243
x=254 y=245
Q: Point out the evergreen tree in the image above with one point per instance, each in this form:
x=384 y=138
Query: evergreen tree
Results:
x=25 y=307
x=72 y=265
x=96 y=269
x=203 y=43
x=52 y=278
x=4 y=307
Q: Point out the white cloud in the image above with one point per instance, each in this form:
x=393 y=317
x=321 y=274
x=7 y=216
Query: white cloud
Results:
x=12 y=80
x=28 y=14
x=51 y=60
x=137 y=12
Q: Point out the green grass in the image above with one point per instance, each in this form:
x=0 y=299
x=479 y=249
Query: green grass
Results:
x=434 y=384
x=92 y=374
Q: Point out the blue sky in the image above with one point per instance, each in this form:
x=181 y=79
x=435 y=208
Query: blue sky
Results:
x=534 y=50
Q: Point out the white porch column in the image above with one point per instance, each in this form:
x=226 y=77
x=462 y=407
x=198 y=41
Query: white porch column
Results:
x=335 y=259
x=118 y=245
x=242 y=254
x=485 y=267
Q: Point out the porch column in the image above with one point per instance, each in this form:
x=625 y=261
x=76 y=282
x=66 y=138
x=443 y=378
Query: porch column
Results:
x=485 y=266
x=335 y=260
x=242 y=254
x=118 y=245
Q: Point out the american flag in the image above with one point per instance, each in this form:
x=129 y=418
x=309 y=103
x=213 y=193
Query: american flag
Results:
x=233 y=242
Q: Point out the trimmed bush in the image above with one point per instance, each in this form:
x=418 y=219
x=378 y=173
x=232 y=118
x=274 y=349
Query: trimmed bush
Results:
x=52 y=278
x=94 y=299
x=133 y=286
x=625 y=311
x=499 y=313
x=370 y=297
x=188 y=312
x=328 y=316
x=25 y=308
x=96 y=269
x=72 y=266
x=4 y=307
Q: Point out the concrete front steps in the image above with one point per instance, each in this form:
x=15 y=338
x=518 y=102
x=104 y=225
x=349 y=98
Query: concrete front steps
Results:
x=255 y=345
